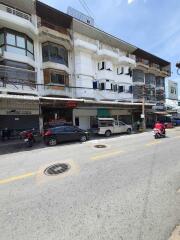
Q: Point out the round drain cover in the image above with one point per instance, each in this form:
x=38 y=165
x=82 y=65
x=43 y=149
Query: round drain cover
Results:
x=100 y=146
x=57 y=169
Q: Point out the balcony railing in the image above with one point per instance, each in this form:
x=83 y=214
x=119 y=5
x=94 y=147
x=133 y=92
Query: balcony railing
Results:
x=106 y=47
x=15 y=12
x=154 y=65
x=44 y=23
x=17 y=78
x=143 y=61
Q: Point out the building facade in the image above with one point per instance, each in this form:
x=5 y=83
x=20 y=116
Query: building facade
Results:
x=55 y=68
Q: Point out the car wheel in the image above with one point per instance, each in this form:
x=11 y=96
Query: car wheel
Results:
x=83 y=138
x=108 y=133
x=129 y=130
x=52 y=142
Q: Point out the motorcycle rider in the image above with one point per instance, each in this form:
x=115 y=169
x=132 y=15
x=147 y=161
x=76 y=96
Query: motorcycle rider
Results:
x=159 y=125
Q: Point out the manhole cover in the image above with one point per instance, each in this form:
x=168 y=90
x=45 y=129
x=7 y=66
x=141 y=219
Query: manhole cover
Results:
x=57 y=169
x=100 y=146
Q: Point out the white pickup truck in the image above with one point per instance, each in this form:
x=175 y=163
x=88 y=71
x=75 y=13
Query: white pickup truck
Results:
x=108 y=126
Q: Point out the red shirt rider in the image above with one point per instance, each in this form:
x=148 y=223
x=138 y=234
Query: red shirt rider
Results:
x=160 y=126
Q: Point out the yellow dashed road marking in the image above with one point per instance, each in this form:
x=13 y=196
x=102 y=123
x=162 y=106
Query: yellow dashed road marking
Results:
x=152 y=143
x=16 y=178
x=106 y=155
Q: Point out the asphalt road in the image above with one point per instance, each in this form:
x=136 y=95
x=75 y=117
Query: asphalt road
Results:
x=128 y=190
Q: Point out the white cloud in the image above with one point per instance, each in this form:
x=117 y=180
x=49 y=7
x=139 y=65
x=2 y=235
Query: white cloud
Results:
x=130 y=1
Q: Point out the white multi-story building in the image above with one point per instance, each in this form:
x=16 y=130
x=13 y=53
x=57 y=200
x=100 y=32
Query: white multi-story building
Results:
x=54 y=68
x=103 y=65
x=18 y=64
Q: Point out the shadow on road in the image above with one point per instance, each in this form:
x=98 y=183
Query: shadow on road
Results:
x=13 y=146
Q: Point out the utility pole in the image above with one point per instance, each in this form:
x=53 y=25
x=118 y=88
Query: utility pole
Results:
x=143 y=109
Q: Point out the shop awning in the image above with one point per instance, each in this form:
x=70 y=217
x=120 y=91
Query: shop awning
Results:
x=19 y=97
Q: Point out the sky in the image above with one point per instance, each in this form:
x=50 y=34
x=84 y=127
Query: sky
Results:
x=153 y=25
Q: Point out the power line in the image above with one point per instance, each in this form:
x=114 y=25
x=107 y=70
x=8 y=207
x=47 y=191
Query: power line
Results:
x=86 y=8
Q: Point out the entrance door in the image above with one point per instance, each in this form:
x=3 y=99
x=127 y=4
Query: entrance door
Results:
x=84 y=123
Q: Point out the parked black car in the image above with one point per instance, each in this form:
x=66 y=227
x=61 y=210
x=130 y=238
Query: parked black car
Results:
x=55 y=135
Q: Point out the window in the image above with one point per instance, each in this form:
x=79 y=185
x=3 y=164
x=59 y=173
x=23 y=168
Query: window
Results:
x=130 y=89
x=115 y=88
x=30 y=46
x=109 y=66
x=95 y=85
x=57 y=78
x=16 y=42
x=70 y=129
x=121 y=89
x=102 y=86
x=11 y=39
x=20 y=42
x=54 y=53
x=101 y=65
x=77 y=121
x=120 y=71
x=1 y=39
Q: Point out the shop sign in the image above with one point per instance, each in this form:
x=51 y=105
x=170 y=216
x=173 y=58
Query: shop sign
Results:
x=71 y=104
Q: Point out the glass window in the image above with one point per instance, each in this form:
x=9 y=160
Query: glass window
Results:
x=57 y=78
x=30 y=55
x=55 y=53
x=20 y=42
x=121 y=89
x=11 y=39
x=16 y=50
x=1 y=39
x=30 y=46
x=45 y=53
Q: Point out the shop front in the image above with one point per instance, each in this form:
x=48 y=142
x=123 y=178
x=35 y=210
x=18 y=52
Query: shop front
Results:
x=84 y=118
x=18 y=114
x=56 y=111
x=124 y=115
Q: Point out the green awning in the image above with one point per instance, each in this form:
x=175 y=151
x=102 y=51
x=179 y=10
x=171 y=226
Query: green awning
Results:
x=103 y=112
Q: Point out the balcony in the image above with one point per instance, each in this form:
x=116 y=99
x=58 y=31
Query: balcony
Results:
x=17 y=80
x=128 y=60
x=105 y=74
x=154 y=69
x=17 y=20
x=49 y=32
x=160 y=95
x=165 y=72
x=89 y=46
x=56 y=90
x=142 y=64
x=108 y=52
x=103 y=95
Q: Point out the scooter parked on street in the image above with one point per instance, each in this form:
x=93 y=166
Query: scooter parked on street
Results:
x=30 y=137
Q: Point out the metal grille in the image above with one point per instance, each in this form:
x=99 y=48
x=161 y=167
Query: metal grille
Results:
x=57 y=169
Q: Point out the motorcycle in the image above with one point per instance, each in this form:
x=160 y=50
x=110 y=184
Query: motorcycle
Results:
x=158 y=133
x=29 y=137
